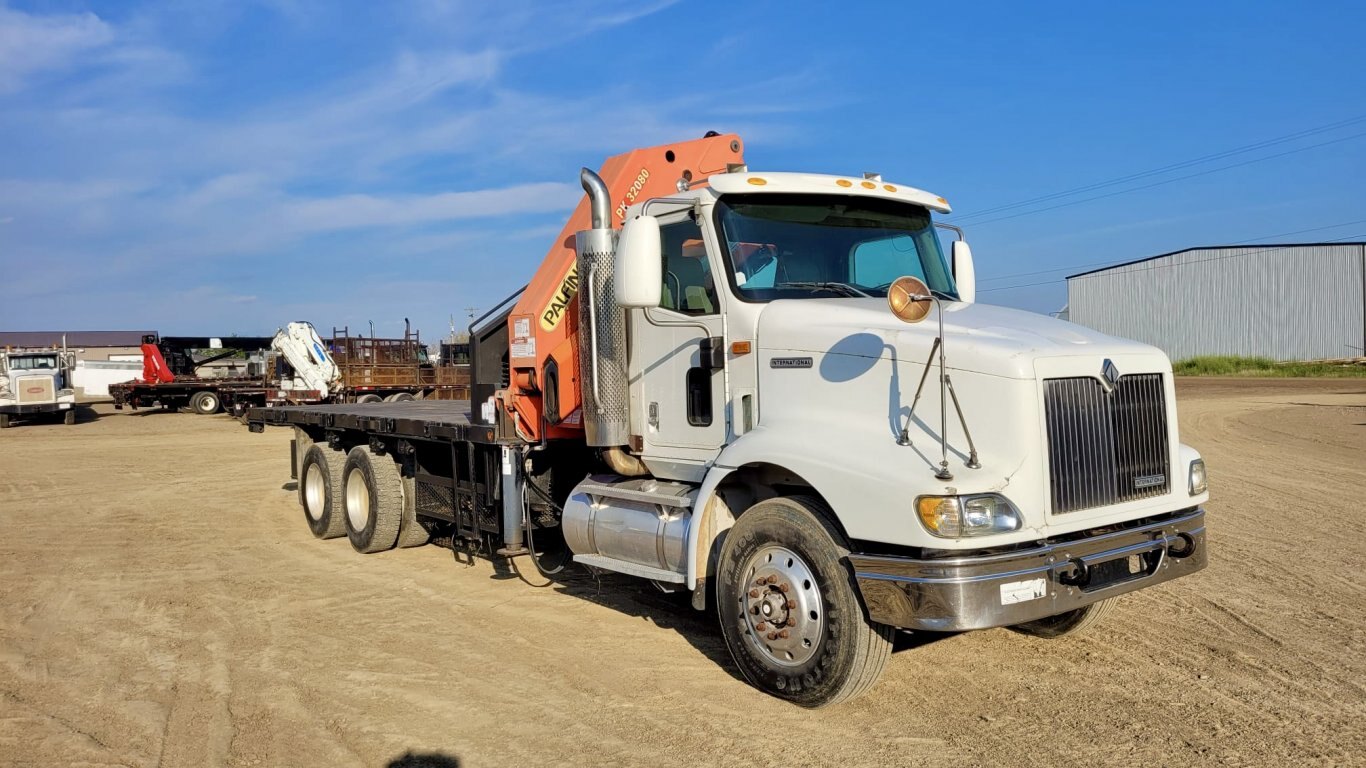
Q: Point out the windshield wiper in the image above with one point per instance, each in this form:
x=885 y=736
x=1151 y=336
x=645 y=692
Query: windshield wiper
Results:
x=845 y=288
x=938 y=294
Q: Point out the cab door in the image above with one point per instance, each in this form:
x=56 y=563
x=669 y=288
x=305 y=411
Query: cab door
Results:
x=677 y=365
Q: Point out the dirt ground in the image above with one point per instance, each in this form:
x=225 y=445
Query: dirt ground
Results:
x=162 y=603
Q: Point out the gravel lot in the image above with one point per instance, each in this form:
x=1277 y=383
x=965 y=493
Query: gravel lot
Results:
x=162 y=603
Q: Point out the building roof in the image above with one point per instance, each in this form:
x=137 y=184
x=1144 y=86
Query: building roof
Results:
x=1253 y=246
x=73 y=338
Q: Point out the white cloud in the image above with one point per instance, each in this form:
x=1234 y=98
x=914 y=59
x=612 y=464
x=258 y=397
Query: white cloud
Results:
x=352 y=211
x=33 y=44
x=433 y=149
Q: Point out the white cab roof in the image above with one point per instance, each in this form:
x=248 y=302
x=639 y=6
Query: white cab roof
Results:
x=816 y=183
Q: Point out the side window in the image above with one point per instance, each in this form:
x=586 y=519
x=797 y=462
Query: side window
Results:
x=874 y=263
x=688 y=285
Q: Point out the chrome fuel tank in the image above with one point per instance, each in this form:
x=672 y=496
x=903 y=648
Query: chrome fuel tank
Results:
x=638 y=521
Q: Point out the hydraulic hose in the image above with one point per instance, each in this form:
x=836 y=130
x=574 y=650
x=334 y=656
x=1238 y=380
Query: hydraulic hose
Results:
x=526 y=523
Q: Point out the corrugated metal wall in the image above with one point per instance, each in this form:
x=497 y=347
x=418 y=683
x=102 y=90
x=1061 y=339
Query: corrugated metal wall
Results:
x=1287 y=303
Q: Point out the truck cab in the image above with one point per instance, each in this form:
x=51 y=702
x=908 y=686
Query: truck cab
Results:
x=36 y=383
x=918 y=460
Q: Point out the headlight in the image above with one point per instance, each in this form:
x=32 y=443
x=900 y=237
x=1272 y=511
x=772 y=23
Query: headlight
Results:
x=1198 y=482
x=953 y=517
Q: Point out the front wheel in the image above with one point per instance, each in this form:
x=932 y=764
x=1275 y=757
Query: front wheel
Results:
x=789 y=608
x=1069 y=623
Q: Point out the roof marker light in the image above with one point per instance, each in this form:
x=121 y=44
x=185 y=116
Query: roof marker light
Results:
x=756 y=181
x=844 y=183
x=889 y=187
x=869 y=185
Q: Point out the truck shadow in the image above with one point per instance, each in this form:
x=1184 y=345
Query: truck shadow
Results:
x=639 y=599
x=412 y=759
x=674 y=611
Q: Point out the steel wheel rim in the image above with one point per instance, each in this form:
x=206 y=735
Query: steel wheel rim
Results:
x=314 y=492
x=357 y=500
x=209 y=403
x=782 y=615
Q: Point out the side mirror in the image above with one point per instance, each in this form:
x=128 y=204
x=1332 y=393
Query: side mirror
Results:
x=640 y=269
x=964 y=275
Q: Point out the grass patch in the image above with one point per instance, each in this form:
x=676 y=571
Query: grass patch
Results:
x=1232 y=365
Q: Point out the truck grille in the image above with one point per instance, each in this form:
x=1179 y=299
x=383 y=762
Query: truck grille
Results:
x=36 y=389
x=1105 y=448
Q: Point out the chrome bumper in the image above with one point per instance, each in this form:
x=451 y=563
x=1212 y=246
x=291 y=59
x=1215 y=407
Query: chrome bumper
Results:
x=962 y=593
x=20 y=409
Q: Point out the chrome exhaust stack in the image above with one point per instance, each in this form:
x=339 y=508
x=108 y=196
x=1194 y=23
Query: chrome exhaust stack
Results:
x=602 y=325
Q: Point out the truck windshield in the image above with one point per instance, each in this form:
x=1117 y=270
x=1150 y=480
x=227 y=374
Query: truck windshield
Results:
x=817 y=246
x=34 y=363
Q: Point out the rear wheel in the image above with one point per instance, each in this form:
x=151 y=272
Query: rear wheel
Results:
x=789 y=608
x=4 y=421
x=205 y=402
x=411 y=532
x=320 y=491
x=369 y=397
x=1069 y=623
x=399 y=397
x=69 y=417
x=373 y=501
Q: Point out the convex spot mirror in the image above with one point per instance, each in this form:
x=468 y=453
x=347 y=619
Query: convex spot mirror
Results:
x=909 y=299
x=639 y=274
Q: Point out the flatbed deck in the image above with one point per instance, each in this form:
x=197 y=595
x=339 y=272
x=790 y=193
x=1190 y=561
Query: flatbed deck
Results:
x=431 y=419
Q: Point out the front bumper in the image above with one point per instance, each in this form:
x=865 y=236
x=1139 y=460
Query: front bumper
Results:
x=21 y=409
x=962 y=593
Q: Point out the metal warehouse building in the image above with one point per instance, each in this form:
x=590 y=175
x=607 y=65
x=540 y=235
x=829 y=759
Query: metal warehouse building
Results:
x=1285 y=302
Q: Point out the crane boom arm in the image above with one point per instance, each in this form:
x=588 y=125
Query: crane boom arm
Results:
x=307 y=355
x=543 y=394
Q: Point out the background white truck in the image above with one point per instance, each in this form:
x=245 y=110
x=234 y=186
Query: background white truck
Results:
x=36 y=383
x=776 y=392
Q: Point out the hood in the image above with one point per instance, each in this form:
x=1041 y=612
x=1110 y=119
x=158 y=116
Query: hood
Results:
x=980 y=338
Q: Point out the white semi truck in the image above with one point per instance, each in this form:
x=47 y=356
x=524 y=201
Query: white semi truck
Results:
x=777 y=392
x=36 y=383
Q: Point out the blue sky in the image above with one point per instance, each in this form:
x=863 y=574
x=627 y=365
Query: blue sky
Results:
x=227 y=166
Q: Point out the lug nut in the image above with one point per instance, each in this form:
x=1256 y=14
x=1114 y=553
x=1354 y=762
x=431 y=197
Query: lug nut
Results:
x=754 y=593
x=772 y=635
x=754 y=610
x=791 y=604
x=761 y=626
x=784 y=587
x=762 y=581
x=784 y=634
x=790 y=623
x=772 y=579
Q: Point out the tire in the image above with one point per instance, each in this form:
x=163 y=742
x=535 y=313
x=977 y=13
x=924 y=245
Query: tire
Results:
x=399 y=397
x=1069 y=623
x=373 y=501
x=369 y=398
x=320 y=491
x=69 y=417
x=833 y=652
x=411 y=532
x=4 y=421
x=205 y=403
x=302 y=442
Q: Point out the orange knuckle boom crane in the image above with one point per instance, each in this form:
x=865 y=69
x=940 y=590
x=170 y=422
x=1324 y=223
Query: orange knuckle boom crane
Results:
x=544 y=399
